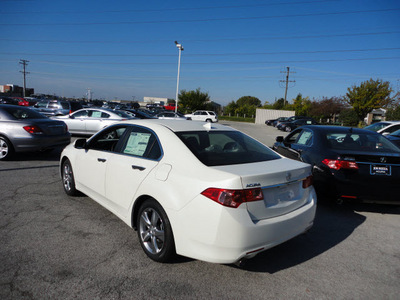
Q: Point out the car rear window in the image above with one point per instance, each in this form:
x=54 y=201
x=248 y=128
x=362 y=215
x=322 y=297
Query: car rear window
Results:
x=219 y=148
x=23 y=113
x=360 y=142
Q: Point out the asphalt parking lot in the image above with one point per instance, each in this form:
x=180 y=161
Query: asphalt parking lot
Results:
x=58 y=247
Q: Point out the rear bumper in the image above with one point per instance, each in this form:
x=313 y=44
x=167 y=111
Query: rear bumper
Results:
x=225 y=235
x=39 y=143
x=375 y=189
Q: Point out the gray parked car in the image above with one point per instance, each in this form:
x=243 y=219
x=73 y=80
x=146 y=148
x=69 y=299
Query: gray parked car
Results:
x=23 y=129
x=57 y=107
x=88 y=121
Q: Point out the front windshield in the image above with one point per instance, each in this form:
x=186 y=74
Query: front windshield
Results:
x=220 y=148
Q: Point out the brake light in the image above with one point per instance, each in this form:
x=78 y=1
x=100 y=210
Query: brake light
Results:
x=233 y=198
x=340 y=164
x=33 y=129
x=308 y=182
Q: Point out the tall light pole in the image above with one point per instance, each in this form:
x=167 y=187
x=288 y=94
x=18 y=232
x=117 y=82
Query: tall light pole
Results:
x=179 y=46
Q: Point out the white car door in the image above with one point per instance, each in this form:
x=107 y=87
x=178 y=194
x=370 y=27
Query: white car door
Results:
x=92 y=163
x=138 y=155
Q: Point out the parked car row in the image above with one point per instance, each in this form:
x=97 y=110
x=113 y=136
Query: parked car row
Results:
x=291 y=123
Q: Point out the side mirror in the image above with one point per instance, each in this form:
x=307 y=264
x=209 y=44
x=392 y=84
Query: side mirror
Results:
x=80 y=144
x=279 y=139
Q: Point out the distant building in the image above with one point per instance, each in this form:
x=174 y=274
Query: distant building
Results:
x=13 y=90
x=155 y=100
x=376 y=115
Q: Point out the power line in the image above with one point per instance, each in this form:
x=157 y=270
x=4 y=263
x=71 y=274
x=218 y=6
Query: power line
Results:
x=205 y=40
x=205 y=20
x=169 y=9
x=204 y=54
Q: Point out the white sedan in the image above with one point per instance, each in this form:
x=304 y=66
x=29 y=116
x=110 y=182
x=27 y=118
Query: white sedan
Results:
x=200 y=190
x=88 y=121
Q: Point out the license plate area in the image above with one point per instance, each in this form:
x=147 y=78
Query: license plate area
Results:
x=381 y=170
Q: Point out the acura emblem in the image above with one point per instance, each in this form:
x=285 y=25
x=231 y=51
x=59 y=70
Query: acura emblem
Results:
x=383 y=159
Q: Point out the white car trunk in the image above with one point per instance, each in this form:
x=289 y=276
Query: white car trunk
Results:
x=281 y=183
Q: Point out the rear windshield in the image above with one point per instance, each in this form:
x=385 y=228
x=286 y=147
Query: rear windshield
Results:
x=20 y=113
x=122 y=114
x=219 y=148
x=377 y=126
x=360 y=142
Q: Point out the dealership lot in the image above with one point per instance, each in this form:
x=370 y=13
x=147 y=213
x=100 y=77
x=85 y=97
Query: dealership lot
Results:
x=55 y=246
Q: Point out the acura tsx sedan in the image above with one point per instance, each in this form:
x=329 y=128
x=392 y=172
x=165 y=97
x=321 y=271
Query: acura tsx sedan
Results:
x=200 y=190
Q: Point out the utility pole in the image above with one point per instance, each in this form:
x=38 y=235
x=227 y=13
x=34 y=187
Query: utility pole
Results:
x=287 y=81
x=24 y=63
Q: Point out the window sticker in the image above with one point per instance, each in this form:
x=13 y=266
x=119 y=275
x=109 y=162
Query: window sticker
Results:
x=137 y=143
x=304 y=138
x=96 y=114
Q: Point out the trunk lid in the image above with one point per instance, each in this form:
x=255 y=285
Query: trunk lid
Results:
x=280 y=181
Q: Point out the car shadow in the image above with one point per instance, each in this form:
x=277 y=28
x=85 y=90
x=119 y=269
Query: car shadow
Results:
x=332 y=225
x=374 y=208
x=48 y=155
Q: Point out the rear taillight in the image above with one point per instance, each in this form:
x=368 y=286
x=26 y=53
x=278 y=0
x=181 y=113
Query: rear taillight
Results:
x=33 y=129
x=233 y=198
x=308 y=182
x=340 y=164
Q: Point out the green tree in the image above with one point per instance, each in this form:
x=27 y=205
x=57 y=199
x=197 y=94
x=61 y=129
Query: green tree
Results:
x=279 y=104
x=230 y=109
x=393 y=113
x=248 y=100
x=348 y=117
x=192 y=100
x=327 y=108
x=301 y=105
x=371 y=94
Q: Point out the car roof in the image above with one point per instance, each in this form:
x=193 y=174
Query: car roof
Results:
x=338 y=129
x=178 y=125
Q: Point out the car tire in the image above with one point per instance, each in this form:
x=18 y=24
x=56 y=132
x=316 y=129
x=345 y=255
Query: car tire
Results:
x=68 y=179
x=288 y=129
x=155 y=232
x=6 y=148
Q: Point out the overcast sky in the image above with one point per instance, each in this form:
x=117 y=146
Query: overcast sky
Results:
x=232 y=48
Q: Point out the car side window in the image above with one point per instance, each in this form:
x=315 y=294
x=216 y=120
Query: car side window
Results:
x=81 y=114
x=143 y=143
x=292 y=138
x=108 y=139
x=305 y=138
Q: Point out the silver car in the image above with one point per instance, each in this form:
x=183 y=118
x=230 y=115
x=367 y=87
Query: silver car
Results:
x=23 y=129
x=88 y=121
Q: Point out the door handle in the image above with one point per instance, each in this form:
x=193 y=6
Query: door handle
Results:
x=138 y=168
x=101 y=159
